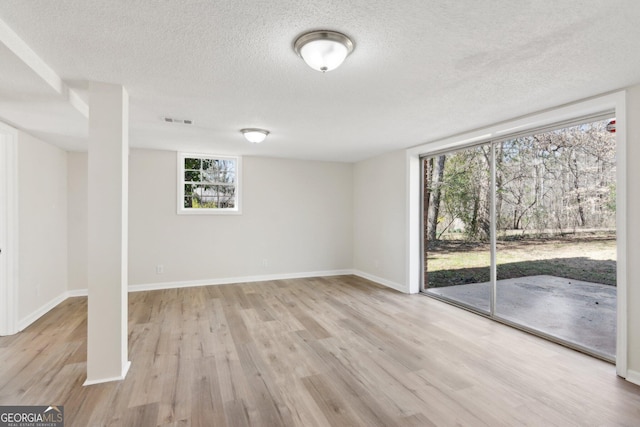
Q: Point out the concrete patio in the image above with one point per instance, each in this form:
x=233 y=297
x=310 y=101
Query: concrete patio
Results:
x=574 y=311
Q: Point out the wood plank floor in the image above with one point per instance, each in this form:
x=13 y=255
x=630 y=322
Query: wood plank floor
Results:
x=337 y=351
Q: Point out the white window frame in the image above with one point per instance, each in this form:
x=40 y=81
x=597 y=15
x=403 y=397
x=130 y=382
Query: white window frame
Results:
x=208 y=211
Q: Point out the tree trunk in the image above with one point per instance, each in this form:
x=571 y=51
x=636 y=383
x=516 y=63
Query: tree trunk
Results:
x=426 y=197
x=436 y=194
x=498 y=185
x=576 y=186
x=474 y=218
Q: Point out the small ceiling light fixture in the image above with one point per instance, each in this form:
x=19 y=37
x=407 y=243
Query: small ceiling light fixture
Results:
x=323 y=50
x=255 y=136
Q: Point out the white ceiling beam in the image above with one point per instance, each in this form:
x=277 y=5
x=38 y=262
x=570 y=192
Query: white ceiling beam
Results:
x=15 y=44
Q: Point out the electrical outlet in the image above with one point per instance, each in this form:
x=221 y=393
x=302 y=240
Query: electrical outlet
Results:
x=38 y=290
x=265 y=263
x=159 y=269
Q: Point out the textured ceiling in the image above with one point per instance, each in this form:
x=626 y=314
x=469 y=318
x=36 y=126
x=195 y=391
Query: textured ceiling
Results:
x=421 y=70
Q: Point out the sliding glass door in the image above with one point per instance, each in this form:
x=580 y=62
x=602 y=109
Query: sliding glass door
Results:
x=523 y=230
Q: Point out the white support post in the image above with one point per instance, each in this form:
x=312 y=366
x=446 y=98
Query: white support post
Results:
x=8 y=231
x=107 y=351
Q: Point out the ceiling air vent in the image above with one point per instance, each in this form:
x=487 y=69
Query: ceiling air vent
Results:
x=178 y=121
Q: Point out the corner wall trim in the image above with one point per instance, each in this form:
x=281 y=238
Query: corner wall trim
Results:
x=232 y=280
x=388 y=283
x=633 y=377
x=107 y=380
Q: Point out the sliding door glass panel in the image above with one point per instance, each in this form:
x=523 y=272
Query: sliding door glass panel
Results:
x=456 y=209
x=556 y=239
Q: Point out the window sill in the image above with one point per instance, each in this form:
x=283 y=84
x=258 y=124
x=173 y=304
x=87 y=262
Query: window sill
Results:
x=209 y=212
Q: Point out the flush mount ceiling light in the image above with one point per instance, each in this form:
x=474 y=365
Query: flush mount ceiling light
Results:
x=323 y=50
x=255 y=136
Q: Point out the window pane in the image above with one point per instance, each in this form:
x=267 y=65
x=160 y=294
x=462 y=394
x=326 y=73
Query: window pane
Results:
x=207 y=163
x=227 y=177
x=206 y=193
x=188 y=202
x=228 y=166
x=209 y=171
x=192 y=176
x=218 y=171
x=457 y=230
x=556 y=234
x=192 y=164
x=226 y=196
x=205 y=197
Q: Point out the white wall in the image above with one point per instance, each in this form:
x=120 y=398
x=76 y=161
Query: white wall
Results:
x=296 y=215
x=379 y=250
x=78 y=220
x=42 y=207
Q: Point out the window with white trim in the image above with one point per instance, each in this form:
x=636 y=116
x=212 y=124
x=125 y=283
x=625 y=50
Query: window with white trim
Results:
x=208 y=184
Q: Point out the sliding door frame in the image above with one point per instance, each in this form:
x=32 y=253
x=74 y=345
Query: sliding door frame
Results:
x=570 y=113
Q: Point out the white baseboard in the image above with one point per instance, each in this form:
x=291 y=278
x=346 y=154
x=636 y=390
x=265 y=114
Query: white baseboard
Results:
x=125 y=369
x=232 y=280
x=633 y=377
x=77 y=293
x=381 y=281
x=29 y=319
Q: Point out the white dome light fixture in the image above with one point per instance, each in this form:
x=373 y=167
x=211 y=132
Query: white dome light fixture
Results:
x=323 y=50
x=255 y=136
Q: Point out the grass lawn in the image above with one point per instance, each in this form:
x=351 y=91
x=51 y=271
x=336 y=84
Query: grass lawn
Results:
x=587 y=257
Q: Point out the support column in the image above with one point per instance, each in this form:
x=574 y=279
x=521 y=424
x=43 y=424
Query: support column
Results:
x=8 y=230
x=107 y=351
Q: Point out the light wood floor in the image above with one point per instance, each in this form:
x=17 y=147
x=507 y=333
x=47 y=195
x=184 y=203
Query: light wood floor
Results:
x=337 y=351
